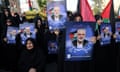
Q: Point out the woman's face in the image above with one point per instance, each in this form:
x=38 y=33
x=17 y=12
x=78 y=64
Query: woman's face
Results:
x=6 y=12
x=8 y=22
x=38 y=23
x=78 y=19
x=99 y=21
x=29 y=45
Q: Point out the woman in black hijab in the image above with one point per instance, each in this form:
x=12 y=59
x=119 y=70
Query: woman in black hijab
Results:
x=102 y=52
x=40 y=32
x=9 y=53
x=31 y=58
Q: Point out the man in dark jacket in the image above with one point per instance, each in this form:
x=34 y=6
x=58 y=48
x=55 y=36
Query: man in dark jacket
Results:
x=80 y=42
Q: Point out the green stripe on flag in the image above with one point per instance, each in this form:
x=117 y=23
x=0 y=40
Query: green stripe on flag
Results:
x=106 y=20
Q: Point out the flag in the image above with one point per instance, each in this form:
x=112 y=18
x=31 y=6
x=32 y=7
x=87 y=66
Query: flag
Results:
x=112 y=17
x=85 y=11
x=29 y=3
x=106 y=12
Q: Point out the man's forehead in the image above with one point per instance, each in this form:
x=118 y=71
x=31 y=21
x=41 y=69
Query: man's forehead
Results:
x=81 y=30
x=56 y=8
x=13 y=30
x=27 y=27
x=106 y=27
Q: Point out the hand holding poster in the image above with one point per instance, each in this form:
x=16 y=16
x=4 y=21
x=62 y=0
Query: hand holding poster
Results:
x=106 y=33
x=79 y=41
x=27 y=31
x=11 y=34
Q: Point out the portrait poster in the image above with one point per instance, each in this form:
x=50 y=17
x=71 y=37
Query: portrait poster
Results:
x=56 y=14
x=27 y=31
x=79 y=41
x=117 y=31
x=11 y=34
x=52 y=47
x=53 y=41
x=106 y=32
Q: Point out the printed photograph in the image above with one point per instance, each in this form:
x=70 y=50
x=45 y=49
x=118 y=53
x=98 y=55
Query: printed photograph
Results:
x=79 y=42
x=106 y=33
x=56 y=13
x=11 y=34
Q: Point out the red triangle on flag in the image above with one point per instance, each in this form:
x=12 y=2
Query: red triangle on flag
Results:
x=106 y=12
x=86 y=11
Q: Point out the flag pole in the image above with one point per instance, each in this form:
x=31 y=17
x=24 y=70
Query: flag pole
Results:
x=30 y=6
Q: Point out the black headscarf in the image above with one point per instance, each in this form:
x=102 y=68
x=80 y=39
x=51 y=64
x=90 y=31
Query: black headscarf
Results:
x=33 y=58
x=33 y=42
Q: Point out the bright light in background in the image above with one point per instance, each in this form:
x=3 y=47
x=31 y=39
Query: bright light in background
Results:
x=72 y=5
x=0 y=2
x=116 y=5
x=24 y=6
x=91 y=3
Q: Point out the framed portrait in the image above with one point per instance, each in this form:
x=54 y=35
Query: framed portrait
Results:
x=79 y=41
x=11 y=34
x=27 y=31
x=106 y=32
x=56 y=14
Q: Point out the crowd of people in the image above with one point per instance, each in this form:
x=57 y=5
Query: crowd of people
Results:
x=33 y=56
x=30 y=57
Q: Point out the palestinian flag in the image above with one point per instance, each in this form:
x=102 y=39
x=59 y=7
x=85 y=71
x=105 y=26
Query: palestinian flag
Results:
x=30 y=5
x=108 y=12
x=85 y=10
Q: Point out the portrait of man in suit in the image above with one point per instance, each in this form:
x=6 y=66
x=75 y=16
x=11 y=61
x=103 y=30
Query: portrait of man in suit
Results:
x=106 y=32
x=27 y=32
x=80 y=40
x=11 y=34
x=56 y=14
x=52 y=47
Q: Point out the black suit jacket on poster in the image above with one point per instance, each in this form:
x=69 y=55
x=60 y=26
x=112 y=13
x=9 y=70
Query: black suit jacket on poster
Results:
x=53 y=17
x=106 y=34
x=75 y=43
x=26 y=34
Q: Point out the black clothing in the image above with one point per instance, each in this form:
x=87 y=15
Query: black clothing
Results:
x=22 y=19
x=8 y=57
x=75 y=43
x=40 y=39
x=16 y=20
x=59 y=17
x=97 y=31
x=31 y=59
